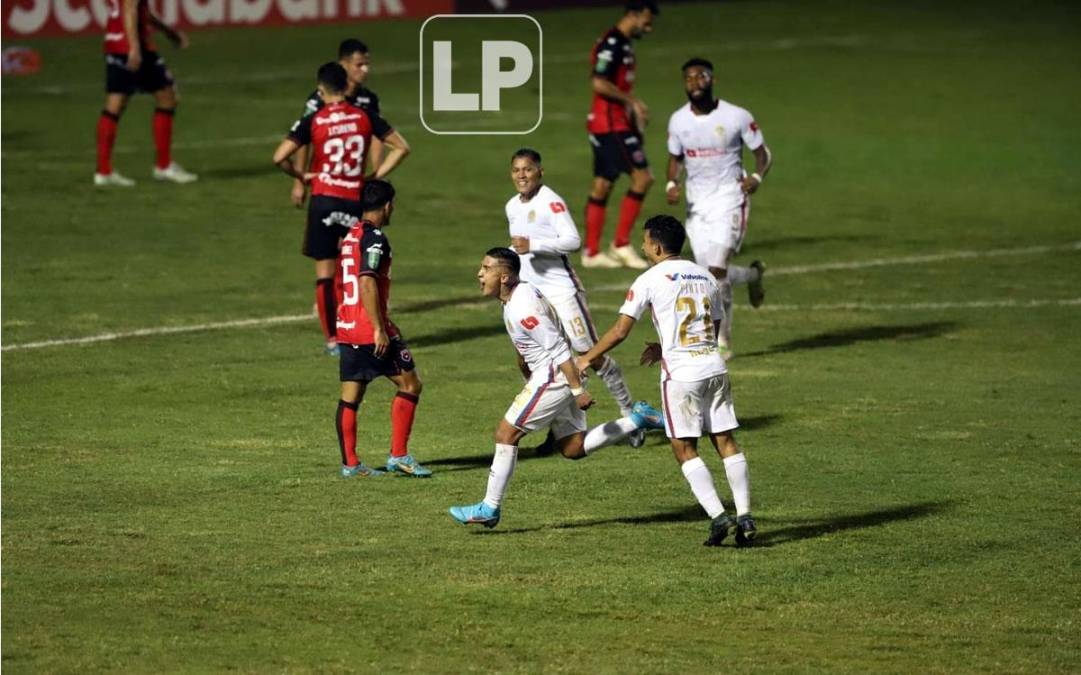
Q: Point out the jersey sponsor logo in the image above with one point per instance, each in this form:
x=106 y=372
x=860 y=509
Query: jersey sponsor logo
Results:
x=339 y=218
x=686 y=277
x=530 y=322
x=705 y=152
x=557 y=207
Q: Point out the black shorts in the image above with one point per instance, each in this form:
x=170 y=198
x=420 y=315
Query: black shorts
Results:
x=616 y=153
x=152 y=75
x=329 y=220
x=360 y=364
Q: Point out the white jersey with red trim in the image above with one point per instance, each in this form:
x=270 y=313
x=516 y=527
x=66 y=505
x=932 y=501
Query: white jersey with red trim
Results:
x=712 y=149
x=685 y=301
x=534 y=329
x=552 y=234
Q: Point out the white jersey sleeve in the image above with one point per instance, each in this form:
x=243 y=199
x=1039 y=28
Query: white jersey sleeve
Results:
x=675 y=146
x=749 y=131
x=566 y=239
x=637 y=298
x=535 y=330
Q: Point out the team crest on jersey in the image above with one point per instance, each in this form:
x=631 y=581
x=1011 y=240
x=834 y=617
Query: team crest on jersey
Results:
x=639 y=157
x=719 y=131
x=375 y=253
x=532 y=216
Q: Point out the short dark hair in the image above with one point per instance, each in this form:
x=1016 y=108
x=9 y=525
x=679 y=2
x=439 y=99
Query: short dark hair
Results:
x=376 y=194
x=332 y=76
x=526 y=152
x=639 y=5
x=668 y=232
x=507 y=257
x=351 y=46
x=697 y=61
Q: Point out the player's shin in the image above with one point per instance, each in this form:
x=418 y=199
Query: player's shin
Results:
x=163 y=136
x=739 y=480
x=608 y=433
x=701 y=481
x=595 y=215
x=503 y=463
x=612 y=375
x=346 y=423
x=628 y=213
x=402 y=410
x=107 y=124
x=327 y=306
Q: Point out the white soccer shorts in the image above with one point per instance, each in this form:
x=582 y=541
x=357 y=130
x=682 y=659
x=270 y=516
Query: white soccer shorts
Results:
x=716 y=231
x=694 y=409
x=542 y=404
x=573 y=313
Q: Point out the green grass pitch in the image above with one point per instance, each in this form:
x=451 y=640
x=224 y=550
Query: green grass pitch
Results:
x=171 y=502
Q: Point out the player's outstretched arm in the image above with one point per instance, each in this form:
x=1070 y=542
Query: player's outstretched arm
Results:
x=675 y=169
x=399 y=148
x=763 y=160
x=609 y=341
x=582 y=397
x=283 y=158
x=178 y=37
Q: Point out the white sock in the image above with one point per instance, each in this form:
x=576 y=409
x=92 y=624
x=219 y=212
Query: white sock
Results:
x=726 y=318
x=701 y=481
x=739 y=479
x=608 y=433
x=738 y=276
x=506 y=456
x=612 y=375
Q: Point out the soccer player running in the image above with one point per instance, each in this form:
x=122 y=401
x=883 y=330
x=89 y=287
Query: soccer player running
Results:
x=371 y=345
x=132 y=65
x=340 y=134
x=543 y=234
x=707 y=137
x=616 y=124
x=354 y=56
x=554 y=394
x=684 y=299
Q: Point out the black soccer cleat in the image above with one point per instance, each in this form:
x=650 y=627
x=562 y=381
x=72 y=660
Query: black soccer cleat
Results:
x=755 y=290
x=719 y=529
x=745 y=530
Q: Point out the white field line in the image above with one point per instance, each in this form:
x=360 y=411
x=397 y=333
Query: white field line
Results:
x=902 y=260
x=976 y=304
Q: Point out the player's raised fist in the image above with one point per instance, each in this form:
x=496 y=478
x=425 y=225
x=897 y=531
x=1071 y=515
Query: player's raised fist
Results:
x=584 y=401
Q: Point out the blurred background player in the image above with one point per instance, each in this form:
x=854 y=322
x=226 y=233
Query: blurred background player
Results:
x=543 y=234
x=616 y=125
x=553 y=395
x=683 y=298
x=340 y=134
x=371 y=345
x=132 y=65
x=706 y=137
x=353 y=55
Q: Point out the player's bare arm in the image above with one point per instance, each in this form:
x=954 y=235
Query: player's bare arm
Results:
x=520 y=244
x=369 y=297
x=609 y=341
x=524 y=368
x=300 y=188
x=178 y=37
x=763 y=160
x=131 y=31
x=283 y=159
x=582 y=398
x=608 y=89
x=675 y=169
x=399 y=148
x=651 y=354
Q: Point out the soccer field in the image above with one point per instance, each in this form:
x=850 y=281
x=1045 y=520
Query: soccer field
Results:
x=909 y=393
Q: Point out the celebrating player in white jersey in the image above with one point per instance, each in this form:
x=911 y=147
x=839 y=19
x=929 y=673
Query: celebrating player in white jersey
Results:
x=554 y=394
x=543 y=233
x=685 y=302
x=707 y=136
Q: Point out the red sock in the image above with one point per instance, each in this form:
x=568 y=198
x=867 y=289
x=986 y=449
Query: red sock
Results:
x=628 y=213
x=106 y=137
x=595 y=209
x=402 y=410
x=346 y=423
x=328 y=308
x=163 y=136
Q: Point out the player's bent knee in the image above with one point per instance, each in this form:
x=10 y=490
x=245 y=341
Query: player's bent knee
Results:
x=719 y=272
x=573 y=447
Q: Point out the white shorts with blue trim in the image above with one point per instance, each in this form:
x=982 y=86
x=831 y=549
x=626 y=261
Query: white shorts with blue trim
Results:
x=546 y=403
x=695 y=409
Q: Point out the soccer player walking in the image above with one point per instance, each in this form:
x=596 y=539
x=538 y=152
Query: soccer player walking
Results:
x=371 y=345
x=616 y=124
x=684 y=300
x=553 y=395
x=543 y=234
x=340 y=134
x=132 y=64
x=707 y=137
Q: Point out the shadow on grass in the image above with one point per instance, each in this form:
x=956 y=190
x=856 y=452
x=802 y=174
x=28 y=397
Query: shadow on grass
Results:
x=801 y=241
x=429 y=305
x=851 y=336
x=678 y=515
x=455 y=335
x=240 y=172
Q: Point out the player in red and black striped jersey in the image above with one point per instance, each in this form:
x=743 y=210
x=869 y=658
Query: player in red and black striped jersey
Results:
x=617 y=120
x=340 y=135
x=132 y=65
x=353 y=55
x=371 y=345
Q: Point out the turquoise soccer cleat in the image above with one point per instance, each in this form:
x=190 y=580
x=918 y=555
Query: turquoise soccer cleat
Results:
x=476 y=514
x=646 y=416
x=360 y=471
x=406 y=466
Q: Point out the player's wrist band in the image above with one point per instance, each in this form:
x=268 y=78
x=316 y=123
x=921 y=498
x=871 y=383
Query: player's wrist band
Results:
x=671 y=184
x=578 y=391
x=757 y=177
